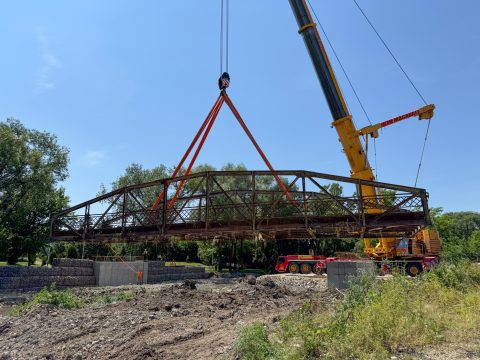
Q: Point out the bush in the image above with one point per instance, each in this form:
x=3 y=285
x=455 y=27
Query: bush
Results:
x=66 y=299
x=461 y=276
x=253 y=343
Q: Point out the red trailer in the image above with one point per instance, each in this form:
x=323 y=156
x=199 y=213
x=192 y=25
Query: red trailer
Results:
x=304 y=264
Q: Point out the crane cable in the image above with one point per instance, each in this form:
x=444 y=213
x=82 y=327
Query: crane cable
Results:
x=349 y=82
x=409 y=80
x=224 y=35
x=391 y=53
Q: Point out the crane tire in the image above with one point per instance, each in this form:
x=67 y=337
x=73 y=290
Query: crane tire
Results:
x=293 y=268
x=413 y=268
x=305 y=268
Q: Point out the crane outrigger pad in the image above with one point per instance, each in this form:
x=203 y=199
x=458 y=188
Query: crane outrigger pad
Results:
x=246 y=205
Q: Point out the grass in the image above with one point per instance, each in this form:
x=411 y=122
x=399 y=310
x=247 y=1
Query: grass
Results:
x=23 y=262
x=377 y=319
x=209 y=268
x=69 y=300
x=187 y=263
x=108 y=297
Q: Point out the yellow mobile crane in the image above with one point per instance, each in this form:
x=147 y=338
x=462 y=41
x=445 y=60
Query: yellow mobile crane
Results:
x=413 y=254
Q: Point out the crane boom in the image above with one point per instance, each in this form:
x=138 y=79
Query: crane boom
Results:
x=343 y=123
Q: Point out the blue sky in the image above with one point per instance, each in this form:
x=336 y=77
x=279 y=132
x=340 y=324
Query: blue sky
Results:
x=131 y=81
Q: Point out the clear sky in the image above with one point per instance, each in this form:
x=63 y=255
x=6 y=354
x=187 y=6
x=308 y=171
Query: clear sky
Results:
x=131 y=81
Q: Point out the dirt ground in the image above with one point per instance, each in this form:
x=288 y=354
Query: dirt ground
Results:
x=161 y=322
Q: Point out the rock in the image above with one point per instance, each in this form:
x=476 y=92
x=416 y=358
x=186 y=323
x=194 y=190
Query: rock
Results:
x=269 y=283
x=251 y=279
x=189 y=284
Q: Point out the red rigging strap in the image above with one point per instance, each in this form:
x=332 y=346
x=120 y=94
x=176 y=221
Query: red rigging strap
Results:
x=252 y=139
x=217 y=108
x=208 y=123
x=194 y=141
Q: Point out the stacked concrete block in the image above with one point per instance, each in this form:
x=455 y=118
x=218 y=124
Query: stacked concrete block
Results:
x=338 y=272
x=157 y=274
x=76 y=263
x=64 y=273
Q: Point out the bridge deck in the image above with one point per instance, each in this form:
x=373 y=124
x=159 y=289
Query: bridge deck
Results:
x=245 y=204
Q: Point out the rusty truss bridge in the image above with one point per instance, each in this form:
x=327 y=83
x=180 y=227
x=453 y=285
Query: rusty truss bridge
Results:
x=245 y=205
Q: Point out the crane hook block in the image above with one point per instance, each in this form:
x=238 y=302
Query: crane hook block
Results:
x=224 y=81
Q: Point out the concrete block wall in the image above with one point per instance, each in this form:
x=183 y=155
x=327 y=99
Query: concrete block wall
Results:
x=158 y=273
x=64 y=273
x=75 y=272
x=338 y=272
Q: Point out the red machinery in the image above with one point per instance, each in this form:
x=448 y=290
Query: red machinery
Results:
x=304 y=264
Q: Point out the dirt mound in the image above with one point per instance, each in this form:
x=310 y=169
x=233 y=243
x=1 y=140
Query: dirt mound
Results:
x=161 y=322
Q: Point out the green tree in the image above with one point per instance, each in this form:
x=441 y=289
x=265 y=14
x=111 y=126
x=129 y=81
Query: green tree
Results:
x=460 y=233
x=32 y=164
x=135 y=174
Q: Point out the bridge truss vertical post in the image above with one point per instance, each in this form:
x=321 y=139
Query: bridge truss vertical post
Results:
x=86 y=221
x=124 y=210
x=360 y=204
x=207 y=198
x=254 y=195
x=426 y=211
x=304 y=201
x=164 y=207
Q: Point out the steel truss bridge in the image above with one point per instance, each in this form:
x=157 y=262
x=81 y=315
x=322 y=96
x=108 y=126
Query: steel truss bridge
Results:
x=245 y=205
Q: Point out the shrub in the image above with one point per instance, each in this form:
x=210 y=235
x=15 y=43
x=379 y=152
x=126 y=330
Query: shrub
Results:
x=66 y=299
x=253 y=343
x=462 y=275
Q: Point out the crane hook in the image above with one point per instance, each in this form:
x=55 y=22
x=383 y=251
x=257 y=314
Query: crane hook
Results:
x=224 y=81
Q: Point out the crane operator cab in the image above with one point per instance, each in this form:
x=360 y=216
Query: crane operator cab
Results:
x=408 y=246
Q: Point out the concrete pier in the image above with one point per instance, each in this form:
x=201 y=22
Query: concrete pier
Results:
x=114 y=273
x=338 y=272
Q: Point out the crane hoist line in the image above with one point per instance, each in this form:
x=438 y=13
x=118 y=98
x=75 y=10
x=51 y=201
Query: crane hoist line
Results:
x=224 y=79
